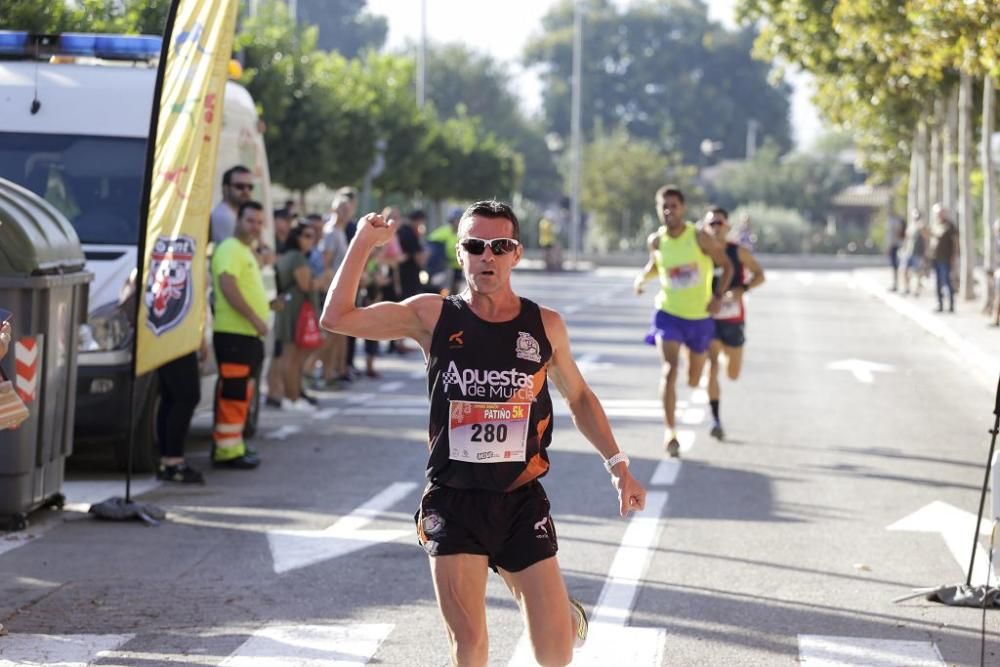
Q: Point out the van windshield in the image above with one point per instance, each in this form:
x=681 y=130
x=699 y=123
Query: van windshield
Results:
x=96 y=182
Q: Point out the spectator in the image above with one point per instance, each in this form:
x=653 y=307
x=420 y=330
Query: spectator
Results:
x=241 y=311
x=292 y=208
x=298 y=286
x=944 y=251
x=237 y=189
x=548 y=241
x=414 y=257
x=334 y=248
x=913 y=252
x=12 y=411
x=443 y=254
x=283 y=221
x=180 y=392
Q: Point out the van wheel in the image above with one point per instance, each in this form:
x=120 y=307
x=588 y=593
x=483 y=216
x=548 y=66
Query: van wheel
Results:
x=145 y=455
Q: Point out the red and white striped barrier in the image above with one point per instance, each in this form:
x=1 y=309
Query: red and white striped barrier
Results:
x=27 y=354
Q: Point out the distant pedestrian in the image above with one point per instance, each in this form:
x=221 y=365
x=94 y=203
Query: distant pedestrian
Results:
x=944 y=251
x=180 y=392
x=241 y=312
x=237 y=189
x=895 y=235
x=913 y=253
x=445 y=270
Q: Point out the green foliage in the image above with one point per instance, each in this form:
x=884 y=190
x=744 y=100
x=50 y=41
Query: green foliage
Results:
x=664 y=72
x=147 y=17
x=777 y=230
x=620 y=177
x=344 y=26
x=463 y=82
x=804 y=183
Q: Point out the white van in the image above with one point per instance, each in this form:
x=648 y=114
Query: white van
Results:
x=73 y=129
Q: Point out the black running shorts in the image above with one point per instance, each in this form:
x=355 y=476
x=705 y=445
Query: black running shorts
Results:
x=513 y=529
x=730 y=333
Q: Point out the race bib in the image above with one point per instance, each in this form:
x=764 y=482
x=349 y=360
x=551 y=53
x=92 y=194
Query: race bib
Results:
x=488 y=432
x=730 y=309
x=685 y=276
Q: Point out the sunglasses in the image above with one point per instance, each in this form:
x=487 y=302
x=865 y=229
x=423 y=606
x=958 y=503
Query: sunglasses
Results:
x=475 y=246
x=241 y=186
x=716 y=223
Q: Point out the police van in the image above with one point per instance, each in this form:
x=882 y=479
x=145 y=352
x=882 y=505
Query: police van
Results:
x=74 y=120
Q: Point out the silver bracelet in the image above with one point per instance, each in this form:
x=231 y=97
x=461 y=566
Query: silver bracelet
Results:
x=615 y=460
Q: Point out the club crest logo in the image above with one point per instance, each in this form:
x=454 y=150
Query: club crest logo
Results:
x=527 y=347
x=168 y=289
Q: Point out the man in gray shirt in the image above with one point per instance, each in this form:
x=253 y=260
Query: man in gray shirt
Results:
x=237 y=188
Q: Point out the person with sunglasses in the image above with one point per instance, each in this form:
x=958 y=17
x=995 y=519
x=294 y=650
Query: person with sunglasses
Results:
x=237 y=189
x=682 y=256
x=490 y=355
x=730 y=321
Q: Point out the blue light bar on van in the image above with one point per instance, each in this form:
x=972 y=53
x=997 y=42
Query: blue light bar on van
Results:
x=116 y=47
x=13 y=43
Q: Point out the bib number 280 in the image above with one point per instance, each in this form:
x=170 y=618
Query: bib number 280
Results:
x=488 y=432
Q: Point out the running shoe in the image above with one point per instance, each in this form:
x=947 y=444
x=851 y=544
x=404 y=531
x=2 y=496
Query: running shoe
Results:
x=674 y=448
x=717 y=432
x=578 y=612
x=180 y=473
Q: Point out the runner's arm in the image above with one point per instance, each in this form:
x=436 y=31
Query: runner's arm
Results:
x=381 y=321
x=749 y=261
x=648 y=271
x=715 y=250
x=588 y=414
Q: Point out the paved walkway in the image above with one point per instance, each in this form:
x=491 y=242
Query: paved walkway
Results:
x=966 y=330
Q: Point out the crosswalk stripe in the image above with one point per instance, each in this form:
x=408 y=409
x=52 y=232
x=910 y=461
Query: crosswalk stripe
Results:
x=310 y=646
x=27 y=650
x=827 y=651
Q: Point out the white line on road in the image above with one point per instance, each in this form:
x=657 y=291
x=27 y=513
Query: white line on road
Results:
x=666 y=473
x=863 y=371
x=310 y=646
x=389 y=387
x=824 y=651
x=293 y=549
x=18 y=650
x=326 y=413
x=282 y=432
x=693 y=416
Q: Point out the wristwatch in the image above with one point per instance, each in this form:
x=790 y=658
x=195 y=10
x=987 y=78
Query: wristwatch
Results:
x=615 y=460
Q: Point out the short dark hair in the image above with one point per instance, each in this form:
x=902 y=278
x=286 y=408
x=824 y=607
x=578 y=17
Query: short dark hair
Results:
x=227 y=176
x=294 y=235
x=718 y=210
x=491 y=208
x=255 y=205
x=313 y=218
x=283 y=214
x=669 y=191
x=417 y=214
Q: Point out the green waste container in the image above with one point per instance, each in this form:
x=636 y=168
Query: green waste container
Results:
x=44 y=285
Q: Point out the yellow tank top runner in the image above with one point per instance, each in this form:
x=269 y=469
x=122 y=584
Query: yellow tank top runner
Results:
x=685 y=275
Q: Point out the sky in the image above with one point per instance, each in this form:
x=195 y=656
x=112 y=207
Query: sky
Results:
x=502 y=29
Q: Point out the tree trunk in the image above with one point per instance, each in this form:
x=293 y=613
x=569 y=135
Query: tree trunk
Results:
x=934 y=191
x=989 y=194
x=923 y=172
x=966 y=225
x=913 y=183
x=948 y=131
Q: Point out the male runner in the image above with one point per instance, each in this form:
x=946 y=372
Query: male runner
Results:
x=683 y=257
x=730 y=320
x=489 y=353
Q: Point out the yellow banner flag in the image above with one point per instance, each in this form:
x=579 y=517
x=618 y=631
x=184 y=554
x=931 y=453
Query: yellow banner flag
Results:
x=188 y=108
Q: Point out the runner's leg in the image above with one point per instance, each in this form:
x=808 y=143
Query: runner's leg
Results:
x=696 y=364
x=541 y=594
x=460 y=587
x=670 y=351
x=714 y=390
x=734 y=357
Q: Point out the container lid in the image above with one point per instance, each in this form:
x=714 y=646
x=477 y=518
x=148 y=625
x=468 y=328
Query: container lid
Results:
x=35 y=238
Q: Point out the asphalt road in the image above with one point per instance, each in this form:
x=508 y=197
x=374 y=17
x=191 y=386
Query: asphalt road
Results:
x=771 y=548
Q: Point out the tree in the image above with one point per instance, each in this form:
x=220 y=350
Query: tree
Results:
x=344 y=25
x=461 y=81
x=314 y=105
x=664 y=72
x=147 y=17
x=620 y=176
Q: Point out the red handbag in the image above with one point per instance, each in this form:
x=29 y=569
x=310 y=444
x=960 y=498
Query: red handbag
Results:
x=307 y=333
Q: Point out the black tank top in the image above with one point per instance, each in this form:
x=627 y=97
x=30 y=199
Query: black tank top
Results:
x=739 y=278
x=489 y=394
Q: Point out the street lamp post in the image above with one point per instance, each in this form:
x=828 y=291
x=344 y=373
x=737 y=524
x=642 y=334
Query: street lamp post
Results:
x=576 y=147
x=421 y=53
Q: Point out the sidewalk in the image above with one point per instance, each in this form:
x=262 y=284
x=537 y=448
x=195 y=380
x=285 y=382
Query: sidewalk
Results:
x=966 y=331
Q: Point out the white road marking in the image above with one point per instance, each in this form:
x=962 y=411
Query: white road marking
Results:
x=863 y=371
x=326 y=413
x=292 y=549
x=361 y=398
x=609 y=640
x=823 y=651
x=699 y=396
x=282 y=432
x=805 y=277
x=692 y=416
x=389 y=387
x=21 y=650
x=666 y=473
x=310 y=646
x=955 y=526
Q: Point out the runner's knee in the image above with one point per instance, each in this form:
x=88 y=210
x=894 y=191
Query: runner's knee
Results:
x=555 y=654
x=469 y=646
